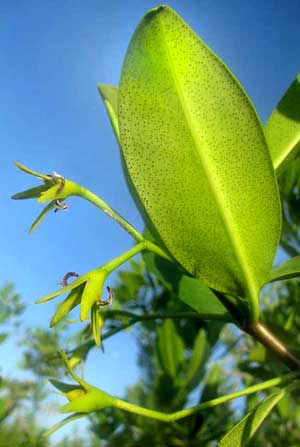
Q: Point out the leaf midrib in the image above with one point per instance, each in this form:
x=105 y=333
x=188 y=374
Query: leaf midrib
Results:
x=225 y=214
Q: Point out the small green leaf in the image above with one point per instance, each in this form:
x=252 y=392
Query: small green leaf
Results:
x=109 y=94
x=72 y=300
x=41 y=216
x=289 y=179
x=197 y=359
x=282 y=130
x=287 y=270
x=257 y=354
x=170 y=348
x=197 y=156
x=212 y=381
x=242 y=432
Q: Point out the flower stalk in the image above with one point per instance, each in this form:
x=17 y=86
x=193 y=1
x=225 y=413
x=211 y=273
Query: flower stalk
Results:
x=86 y=399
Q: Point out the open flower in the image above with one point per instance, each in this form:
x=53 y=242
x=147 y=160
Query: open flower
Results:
x=83 y=398
x=54 y=189
x=85 y=291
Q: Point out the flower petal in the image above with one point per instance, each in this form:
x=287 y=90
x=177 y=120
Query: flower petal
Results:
x=31 y=193
x=52 y=295
x=51 y=194
x=97 y=323
x=65 y=421
x=63 y=387
x=92 y=292
x=31 y=172
x=72 y=300
x=41 y=217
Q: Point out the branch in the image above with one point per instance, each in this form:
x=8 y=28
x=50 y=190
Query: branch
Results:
x=262 y=334
x=172 y=417
x=162 y=316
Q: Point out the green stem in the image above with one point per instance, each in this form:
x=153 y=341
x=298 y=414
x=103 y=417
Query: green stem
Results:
x=99 y=203
x=84 y=193
x=163 y=316
x=254 y=308
x=172 y=417
x=124 y=257
x=136 y=319
x=71 y=371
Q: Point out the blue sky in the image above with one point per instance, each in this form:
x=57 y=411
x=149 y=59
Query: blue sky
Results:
x=52 y=55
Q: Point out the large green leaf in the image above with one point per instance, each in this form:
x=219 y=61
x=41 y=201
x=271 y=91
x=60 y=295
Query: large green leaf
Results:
x=282 y=130
x=109 y=95
x=287 y=270
x=193 y=292
x=196 y=154
x=242 y=432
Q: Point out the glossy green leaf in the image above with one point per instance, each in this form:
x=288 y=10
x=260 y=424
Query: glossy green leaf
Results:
x=196 y=153
x=282 y=130
x=170 y=348
x=287 y=270
x=242 y=432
